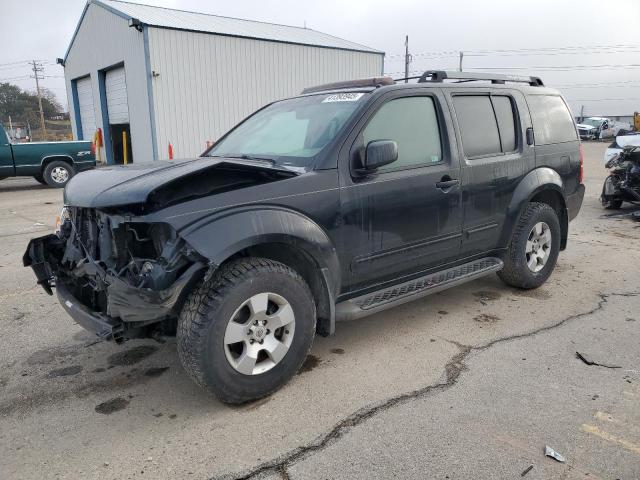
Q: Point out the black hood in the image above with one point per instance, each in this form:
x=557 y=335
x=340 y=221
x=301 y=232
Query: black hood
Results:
x=165 y=182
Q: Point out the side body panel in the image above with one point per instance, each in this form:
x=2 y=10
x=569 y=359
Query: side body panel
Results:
x=29 y=157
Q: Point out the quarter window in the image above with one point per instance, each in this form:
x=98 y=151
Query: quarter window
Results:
x=503 y=108
x=487 y=124
x=552 y=121
x=413 y=124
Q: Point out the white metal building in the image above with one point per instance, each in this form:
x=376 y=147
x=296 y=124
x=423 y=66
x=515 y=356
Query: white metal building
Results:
x=170 y=76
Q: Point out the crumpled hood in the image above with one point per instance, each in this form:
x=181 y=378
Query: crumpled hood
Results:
x=119 y=185
x=585 y=127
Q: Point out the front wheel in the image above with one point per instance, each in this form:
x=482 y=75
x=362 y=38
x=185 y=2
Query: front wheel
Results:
x=534 y=248
x=40 y=179
x=57 y=173
x=245 y=332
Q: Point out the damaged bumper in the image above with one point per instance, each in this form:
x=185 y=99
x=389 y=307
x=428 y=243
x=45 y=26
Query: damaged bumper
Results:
x=125 y=306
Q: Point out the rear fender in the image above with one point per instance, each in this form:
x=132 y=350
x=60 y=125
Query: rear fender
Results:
x=535 y=182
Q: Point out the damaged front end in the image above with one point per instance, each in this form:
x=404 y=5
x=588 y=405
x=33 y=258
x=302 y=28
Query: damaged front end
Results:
x=114 y=275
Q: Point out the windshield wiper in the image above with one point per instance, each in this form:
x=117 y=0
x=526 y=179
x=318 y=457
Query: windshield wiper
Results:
x=248 y=157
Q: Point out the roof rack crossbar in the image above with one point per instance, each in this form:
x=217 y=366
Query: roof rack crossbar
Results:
x=438 y=76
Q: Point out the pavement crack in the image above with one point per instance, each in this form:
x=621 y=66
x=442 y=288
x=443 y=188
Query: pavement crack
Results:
x=589 y=362
x=284 y=475
x=452 y=371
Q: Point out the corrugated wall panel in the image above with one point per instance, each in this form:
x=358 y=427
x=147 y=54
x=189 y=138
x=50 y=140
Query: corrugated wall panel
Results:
x=86 y=107
x=208 y=83
x=104 y=40
x=116 y=90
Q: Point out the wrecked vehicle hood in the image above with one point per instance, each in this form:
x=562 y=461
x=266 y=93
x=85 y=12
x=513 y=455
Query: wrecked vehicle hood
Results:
x=582 y=126
x=121 y=185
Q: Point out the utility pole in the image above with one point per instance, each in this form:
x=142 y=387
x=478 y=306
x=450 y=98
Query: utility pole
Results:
x=37 y=68
x=461 y=57
x=407 y=59
x=581 y=113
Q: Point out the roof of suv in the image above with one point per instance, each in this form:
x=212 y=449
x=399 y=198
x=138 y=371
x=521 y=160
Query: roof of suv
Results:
x=430 y=78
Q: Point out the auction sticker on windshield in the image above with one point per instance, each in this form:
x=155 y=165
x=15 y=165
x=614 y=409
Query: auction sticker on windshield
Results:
x=343 y=97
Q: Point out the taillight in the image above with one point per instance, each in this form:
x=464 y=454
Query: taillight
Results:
x=93 y=148
x=581 y=175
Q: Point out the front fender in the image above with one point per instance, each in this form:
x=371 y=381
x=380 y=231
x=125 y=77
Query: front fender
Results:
x=533 y=183
x=220 y=236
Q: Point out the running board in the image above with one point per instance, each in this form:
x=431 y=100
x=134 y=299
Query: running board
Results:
x=408 y=291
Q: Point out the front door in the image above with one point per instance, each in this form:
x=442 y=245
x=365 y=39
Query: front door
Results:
x=407 y=216
x=6 y=157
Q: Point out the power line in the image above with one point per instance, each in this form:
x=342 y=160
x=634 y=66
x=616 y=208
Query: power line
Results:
x=603 y=100
x=562 y=67
x=23 y=77
x=542 y=50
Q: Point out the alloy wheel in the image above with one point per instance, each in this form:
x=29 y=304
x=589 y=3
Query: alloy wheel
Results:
x=538 y=246
x=259 y=333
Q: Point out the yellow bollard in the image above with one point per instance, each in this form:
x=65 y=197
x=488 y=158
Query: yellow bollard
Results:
x=125 y=153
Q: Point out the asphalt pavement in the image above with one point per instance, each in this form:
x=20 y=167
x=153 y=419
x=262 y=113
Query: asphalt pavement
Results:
x=469 y=383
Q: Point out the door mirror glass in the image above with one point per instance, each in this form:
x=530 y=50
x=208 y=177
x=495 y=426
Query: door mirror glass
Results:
x=380 y=153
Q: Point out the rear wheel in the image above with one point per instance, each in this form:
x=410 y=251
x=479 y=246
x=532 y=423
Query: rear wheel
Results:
x=57 y=173
x=245 y=332
x=534 y=248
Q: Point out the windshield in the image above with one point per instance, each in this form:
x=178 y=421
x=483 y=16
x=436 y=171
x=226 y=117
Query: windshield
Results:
x=592 y=122
x=290 y=132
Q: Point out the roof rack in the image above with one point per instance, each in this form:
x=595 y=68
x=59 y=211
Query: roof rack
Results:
x=363 y=82
x=438 y=76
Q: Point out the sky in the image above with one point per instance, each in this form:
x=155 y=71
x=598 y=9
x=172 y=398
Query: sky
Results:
x=589 y=49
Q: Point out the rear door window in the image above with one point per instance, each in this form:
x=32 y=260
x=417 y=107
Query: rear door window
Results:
x=552 y=120
x=487 y=124
x=478 y=126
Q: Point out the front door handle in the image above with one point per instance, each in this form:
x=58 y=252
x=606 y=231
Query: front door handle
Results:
x=446 y=183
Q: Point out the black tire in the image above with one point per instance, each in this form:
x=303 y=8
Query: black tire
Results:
x=209 y=309
x=51 y=177
x=611 y=203
x=516 y=272
x=40 y=179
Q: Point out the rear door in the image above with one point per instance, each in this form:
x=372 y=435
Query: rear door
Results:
x=491 y=125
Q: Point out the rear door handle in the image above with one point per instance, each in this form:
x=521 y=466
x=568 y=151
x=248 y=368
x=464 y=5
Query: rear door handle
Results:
x=446 y=185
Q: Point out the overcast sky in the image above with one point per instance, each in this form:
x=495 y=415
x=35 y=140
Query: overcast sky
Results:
x=606 y=32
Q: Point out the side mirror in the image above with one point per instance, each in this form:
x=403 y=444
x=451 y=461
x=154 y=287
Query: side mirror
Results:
x=379 y=153
x=530 y=138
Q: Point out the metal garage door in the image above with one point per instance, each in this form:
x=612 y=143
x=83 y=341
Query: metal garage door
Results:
x=116 y=89
x=85 y=105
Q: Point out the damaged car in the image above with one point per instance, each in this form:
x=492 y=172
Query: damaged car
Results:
x=344 y=201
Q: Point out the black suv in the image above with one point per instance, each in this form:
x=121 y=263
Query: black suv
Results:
x=346 y=200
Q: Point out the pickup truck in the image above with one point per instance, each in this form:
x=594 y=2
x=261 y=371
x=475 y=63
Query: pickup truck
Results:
x=593 y=128
x=50 y=163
